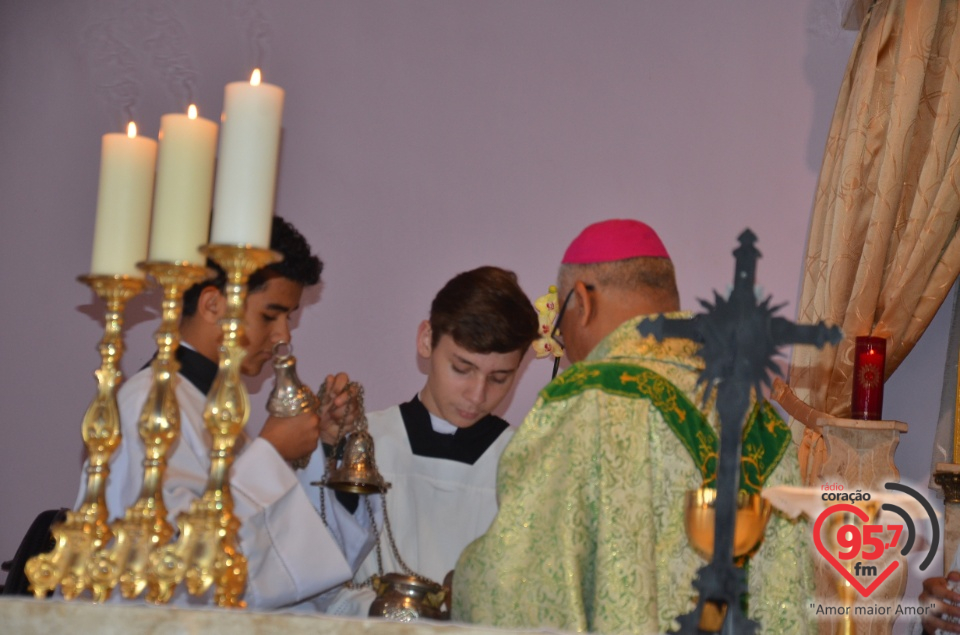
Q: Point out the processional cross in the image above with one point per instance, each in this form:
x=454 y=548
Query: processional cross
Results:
x=739 y=338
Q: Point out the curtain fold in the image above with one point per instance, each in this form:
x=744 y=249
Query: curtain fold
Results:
x=883 y=249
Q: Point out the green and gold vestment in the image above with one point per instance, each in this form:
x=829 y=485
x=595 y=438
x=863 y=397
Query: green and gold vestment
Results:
x=589 y=536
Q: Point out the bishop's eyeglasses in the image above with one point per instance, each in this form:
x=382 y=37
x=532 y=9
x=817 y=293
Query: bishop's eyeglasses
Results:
x=555 y=333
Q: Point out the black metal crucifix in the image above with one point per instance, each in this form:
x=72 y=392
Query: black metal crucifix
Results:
x=740 y=337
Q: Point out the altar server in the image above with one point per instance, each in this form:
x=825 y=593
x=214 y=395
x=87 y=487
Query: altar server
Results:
x=440 y=449
x=293 y=556
x=590 y=532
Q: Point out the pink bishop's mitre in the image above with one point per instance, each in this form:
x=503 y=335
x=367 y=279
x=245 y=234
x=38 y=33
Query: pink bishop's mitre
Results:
x=612 y=240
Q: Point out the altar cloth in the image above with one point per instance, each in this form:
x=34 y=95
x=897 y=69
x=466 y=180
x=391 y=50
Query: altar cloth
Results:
x=26 y=616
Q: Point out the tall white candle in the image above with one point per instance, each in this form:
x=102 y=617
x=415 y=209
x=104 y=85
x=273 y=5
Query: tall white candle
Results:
x=181 y=205
x=247 y=171
x=123 y=203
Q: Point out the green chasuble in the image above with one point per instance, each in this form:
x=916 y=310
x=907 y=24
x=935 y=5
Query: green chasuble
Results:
x=590 y=537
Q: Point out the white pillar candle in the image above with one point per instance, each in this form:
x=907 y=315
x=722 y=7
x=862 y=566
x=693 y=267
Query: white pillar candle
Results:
x=181 y=205
x=247 y=171
x=123 y=203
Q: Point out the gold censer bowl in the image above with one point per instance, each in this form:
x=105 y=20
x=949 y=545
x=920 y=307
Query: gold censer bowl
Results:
x=753 y=513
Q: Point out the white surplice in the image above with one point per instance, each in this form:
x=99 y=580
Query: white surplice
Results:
x=436 y=505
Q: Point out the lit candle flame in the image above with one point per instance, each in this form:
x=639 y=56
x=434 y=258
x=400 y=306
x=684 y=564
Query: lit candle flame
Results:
x=255 y=77
x=192 y=111
x=131 y=130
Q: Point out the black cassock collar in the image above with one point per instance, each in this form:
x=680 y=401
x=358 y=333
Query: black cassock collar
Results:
x=196 y=368
x=466 y=445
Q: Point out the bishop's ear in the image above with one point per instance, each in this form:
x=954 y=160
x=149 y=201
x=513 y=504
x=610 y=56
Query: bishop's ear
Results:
x=584 y=303
x=425 y=339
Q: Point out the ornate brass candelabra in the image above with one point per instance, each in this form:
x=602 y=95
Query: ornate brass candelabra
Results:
x=86 y=529
x=144 y=527
x=206 y=553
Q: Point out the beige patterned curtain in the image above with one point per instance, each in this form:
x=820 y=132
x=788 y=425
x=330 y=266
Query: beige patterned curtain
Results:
x=883 y=250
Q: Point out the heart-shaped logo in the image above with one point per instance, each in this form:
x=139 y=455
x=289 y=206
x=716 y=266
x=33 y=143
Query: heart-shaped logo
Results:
x=862 y=515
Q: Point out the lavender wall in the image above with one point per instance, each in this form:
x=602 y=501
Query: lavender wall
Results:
x=421 y=138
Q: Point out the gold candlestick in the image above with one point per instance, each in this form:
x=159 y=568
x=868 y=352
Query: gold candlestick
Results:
x=947 y=475
x=206 y=553
x=846 y=593
x=956 y=421
x=144 y=527
x=86 y=529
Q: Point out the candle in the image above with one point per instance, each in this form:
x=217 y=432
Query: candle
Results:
x=181 y=205
x=123 y=203
x=247 y=171
x=868 y=374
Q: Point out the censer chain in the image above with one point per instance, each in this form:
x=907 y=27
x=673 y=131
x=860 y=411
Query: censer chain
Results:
x=361 y=425
x=393 y=547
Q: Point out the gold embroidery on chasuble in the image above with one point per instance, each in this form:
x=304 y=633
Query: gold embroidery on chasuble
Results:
x=765 y=437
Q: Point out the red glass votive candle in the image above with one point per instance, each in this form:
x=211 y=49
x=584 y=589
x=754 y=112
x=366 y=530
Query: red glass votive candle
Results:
x=869 y=360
